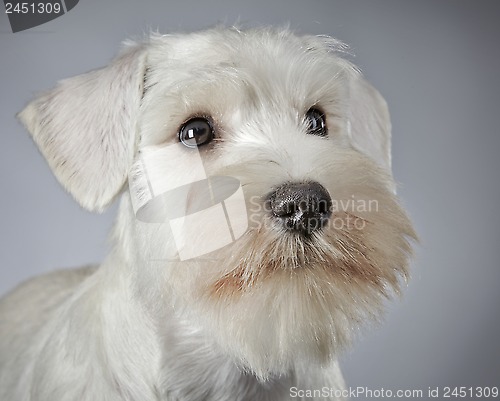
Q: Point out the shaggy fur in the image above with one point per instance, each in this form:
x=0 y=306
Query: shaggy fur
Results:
x=249 y=321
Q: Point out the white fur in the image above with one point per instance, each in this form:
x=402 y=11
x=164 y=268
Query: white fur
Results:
x=255 y=318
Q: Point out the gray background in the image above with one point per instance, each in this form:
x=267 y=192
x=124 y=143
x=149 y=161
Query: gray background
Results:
x=436 y=62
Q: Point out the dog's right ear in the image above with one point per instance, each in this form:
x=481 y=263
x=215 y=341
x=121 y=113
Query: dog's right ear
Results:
x=86 y=127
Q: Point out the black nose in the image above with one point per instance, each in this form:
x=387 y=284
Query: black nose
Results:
x=301 y=206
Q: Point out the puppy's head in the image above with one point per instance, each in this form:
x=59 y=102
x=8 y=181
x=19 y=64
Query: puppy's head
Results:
x=306 y=139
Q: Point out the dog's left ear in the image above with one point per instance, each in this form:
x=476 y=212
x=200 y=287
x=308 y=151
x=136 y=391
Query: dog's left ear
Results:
x=369 y=122
x=86 y=127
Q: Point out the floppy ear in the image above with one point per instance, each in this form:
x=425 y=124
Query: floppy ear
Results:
x=369 y=122
x=86 y=126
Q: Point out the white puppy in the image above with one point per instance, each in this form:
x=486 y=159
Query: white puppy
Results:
x=258 y=225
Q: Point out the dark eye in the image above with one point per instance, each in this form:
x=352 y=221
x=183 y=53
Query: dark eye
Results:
x=315 y=120
x=196 y=132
